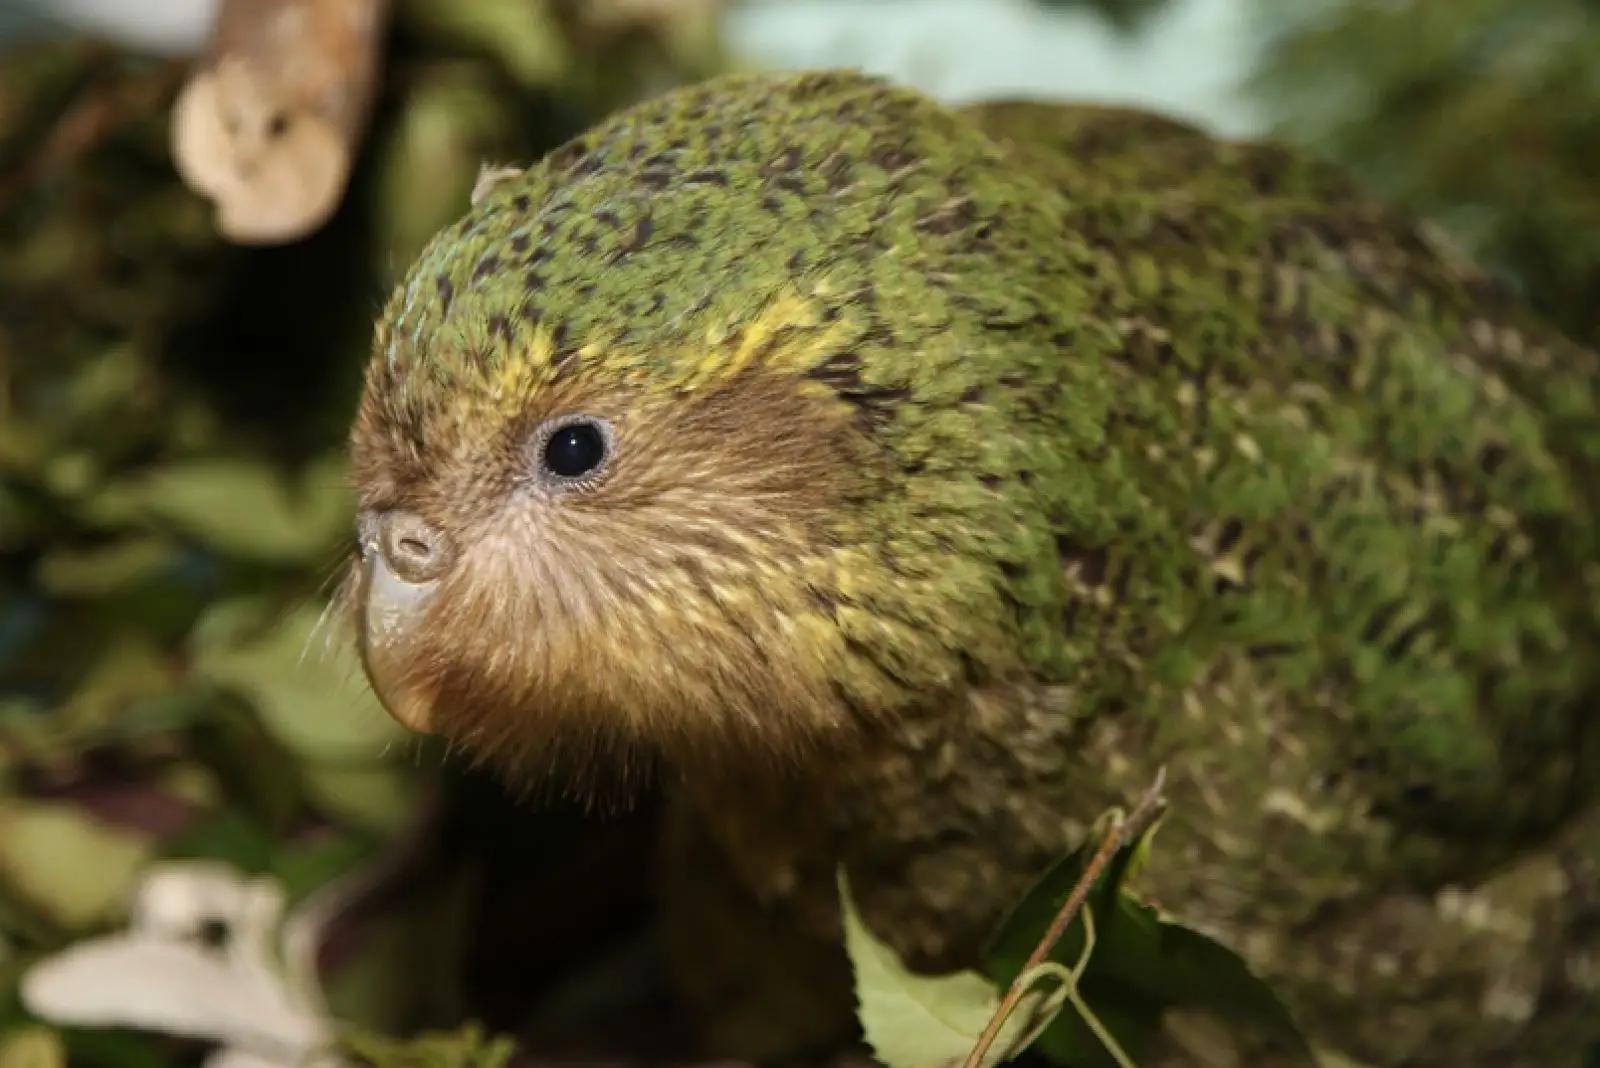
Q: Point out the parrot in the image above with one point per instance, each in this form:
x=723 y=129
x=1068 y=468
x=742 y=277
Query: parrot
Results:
x=900 y=485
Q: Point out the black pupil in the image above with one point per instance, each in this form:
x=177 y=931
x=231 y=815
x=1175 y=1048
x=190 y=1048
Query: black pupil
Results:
x=213 y=933
x=575 y=450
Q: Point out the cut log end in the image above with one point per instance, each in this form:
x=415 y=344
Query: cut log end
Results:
x=269 y=125
x=275 y=174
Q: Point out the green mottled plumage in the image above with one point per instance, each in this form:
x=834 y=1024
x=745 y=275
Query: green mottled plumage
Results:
x=1168 y=451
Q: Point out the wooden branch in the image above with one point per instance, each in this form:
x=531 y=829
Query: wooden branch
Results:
x=269 y=124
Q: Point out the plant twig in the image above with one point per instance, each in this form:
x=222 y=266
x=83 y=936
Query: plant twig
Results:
x=1123 y=831
x=1086 y=1014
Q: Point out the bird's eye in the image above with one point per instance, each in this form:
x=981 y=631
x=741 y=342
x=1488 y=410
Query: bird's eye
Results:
x=213 y=932
x=575 y=450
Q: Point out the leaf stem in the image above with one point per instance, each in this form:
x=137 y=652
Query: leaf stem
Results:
x=1121 y=833
x=1090 y=1020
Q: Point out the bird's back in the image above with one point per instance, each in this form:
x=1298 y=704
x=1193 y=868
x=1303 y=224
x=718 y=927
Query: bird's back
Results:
x=1341 y=460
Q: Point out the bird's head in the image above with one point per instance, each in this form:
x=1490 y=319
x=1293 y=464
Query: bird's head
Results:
x=681 y=440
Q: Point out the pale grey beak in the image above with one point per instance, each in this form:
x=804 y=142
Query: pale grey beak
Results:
x=402 y=560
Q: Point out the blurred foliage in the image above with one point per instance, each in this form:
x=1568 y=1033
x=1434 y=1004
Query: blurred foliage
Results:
x=467 y=1047
x=173 y=507
x=1482 y=115
x=32 y=1047
x=1126 y=15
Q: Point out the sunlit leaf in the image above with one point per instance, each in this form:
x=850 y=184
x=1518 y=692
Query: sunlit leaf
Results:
x=242 y=507
x=376 y=797
x=32 y=1046
x=924 y=1021
x=311 y=694
x=66 y=865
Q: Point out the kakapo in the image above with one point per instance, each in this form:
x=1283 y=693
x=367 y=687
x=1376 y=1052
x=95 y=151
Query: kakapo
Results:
x=914 y=481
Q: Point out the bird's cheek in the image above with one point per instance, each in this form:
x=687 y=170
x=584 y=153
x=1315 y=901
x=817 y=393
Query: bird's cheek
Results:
x=391 y=613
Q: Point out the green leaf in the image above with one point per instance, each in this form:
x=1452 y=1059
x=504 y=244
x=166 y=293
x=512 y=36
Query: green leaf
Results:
x=68 y=571
x=525 y=38
x=127 y=670
x=67 y=866
x=228 y=836
x=1144 y=963
x=310 y=694
x=307 y=865
x=921 y=1021
x=32 y=1046
x=120 y=1048
x=375 y=798
x=468 y=1047
x=240 y=507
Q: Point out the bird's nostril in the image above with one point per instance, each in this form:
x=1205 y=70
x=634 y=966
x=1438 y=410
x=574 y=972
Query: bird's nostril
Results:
x=415 y=550
x=413 y=547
